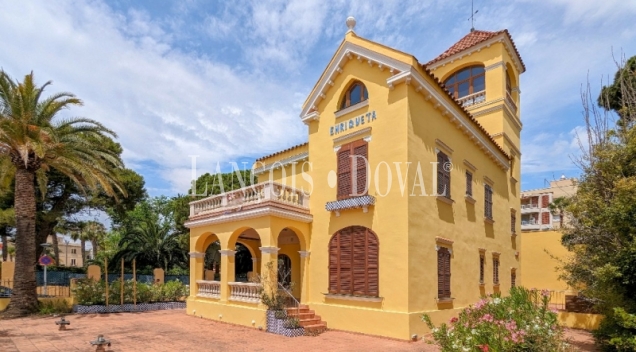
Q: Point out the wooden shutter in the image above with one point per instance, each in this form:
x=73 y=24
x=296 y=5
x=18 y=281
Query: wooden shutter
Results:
x=443 y=176
x=346 y=174
x=513 y=223
x=353 y=262
x=487 y=202
x=443 y=273
x=481 y=268
x=495 y=270
x=513 y=278
x=469 y=184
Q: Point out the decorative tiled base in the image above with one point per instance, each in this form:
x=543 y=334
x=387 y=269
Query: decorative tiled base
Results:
x=116 y=308
x=277 y=326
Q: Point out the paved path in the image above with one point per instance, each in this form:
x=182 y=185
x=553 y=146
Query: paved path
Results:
x=175 y=331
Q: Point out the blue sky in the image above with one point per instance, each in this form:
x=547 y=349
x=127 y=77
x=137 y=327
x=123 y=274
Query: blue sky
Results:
x=225 y=80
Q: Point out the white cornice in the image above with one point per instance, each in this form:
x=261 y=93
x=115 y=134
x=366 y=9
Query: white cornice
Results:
x=270 y=250
x=351 y=108
x=351 y=135
x=458 y=117
x=197 y=255
x=227 y=252
x=312 y=116
x=502 y=38
x=282 y=163
x=494 y=66
x=250 y=214
x=349 y=51
x=495 y=108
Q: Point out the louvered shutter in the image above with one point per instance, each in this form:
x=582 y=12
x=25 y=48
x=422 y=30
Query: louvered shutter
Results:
x=334 y=261
x=346 y=261
x=488 y=202
x=344 y=171
x=443 y=176
x=373 y=259
x=495 y=270
x=469 y=184
x=359 y=266
x=360 y=150
x=443 y=273
x=481 y=268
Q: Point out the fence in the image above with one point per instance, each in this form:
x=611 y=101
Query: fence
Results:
x=51 y=290
x=183 y=278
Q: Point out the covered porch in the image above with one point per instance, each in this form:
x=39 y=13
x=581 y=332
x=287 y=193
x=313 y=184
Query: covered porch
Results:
x=247 y=238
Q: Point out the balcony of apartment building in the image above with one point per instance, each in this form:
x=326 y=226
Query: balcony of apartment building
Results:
x=534 y=222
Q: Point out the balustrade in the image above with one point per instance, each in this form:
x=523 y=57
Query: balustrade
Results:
x=473 y=99
x=245 y=291
x=210 y=289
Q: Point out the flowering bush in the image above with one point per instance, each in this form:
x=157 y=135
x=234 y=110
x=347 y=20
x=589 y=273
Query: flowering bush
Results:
x=519 y=322
x=89 y=292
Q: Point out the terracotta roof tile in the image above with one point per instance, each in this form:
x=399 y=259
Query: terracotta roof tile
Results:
x=282 y=151
x=471 y=39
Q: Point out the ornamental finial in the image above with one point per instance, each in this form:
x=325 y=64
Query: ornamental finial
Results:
x=351 y=23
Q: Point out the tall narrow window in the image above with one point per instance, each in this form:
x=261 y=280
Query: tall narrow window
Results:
x=488 y=202
x=513 y=278
x=353 y=262
x=513 y=223
x=356 y=93
x=508 y=84
x=495 y=270
x=467 y=81
x=443 y=175
x=469 y=184
x=482 y=264
x=353 y=160
x=443 y=273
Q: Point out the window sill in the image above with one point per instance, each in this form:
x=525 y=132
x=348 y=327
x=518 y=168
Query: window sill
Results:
x=470 y=199
x=489 y=221
x=353 y=298
x=513 y=234
x=445 y=300
x=482 y=284
x=495 y=285
x=445 y=199
x=351 y=108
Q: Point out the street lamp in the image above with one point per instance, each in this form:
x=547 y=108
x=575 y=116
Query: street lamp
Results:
x=45 y=246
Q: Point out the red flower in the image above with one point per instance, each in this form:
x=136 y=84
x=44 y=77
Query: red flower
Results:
x=484 y=348
x=454 y=320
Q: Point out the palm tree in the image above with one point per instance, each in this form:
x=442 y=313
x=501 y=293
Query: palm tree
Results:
x=95 y=232
x=558 y=206
x=11 y=253
x=81 y=235
x=33 y=141
x=151 y=243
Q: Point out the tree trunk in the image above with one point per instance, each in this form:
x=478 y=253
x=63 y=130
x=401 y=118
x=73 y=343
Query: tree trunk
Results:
x=94 y=244
x=56 y=248
x=24 y=299
x=83 y=245
x=5 y=244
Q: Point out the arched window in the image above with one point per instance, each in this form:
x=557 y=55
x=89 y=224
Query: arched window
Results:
x=353 y=262
x=467 y=81
x=356 y=93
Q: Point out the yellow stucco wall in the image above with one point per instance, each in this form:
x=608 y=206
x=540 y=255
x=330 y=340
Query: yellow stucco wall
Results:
x=539 y=256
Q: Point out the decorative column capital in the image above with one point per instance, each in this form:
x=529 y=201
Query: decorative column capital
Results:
x=228 y=252
x=270 y=250
x=304 y=254
x=254 y=259
x=197 y=255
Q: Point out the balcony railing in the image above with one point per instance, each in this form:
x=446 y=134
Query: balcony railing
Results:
x=262 y=192
x=529 y=206
x=210 y=289
x=245 y=291
x=473 y=99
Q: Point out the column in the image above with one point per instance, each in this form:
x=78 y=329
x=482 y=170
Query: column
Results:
x=304 y=276
x=254 y=266
x=227 y=272
x=196 y=271
x=269 y=272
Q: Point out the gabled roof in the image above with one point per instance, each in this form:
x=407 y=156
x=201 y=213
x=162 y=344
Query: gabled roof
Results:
x=472 y=39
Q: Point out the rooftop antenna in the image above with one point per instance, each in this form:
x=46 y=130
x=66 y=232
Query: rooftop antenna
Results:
x=472 y=15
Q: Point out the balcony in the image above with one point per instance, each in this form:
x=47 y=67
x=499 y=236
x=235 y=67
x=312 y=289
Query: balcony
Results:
x=530 y=208
x=533 y=224
x=268 y=198
x=473 y=99
x=511 y=102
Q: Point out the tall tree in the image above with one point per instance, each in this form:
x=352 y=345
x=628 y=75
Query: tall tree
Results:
x=619 y=96
x=35 y=140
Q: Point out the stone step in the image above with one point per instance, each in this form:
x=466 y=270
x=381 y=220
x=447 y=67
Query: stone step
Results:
x=301 y=315
x=294 y=311
x=315 y=329
x=309 y=322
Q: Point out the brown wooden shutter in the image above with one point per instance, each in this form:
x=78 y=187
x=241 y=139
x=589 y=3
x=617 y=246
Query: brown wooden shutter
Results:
x=346 y=261
x=360 y=150
x=344 y=171
x=481 y=268
x=513 y=278
x=495 y=270
x=513 y=223
x=488 y=202
x=469 y=184
x=334 y=263
x=443 y=273
x=359 y=266
x=443 y=176
x=373 y=264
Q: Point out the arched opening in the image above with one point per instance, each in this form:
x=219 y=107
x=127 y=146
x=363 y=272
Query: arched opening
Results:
x=212 y=262
x=467 y=81
x=289 y=267
x=243 y=264
x=284 y=270
x=246 y=245
x=354 y=262
x=356 y=93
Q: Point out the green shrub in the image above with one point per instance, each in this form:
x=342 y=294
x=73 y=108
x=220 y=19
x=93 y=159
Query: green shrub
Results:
x=617 y=331
x=292 y=323
x=90 y=292
x=519 y=322
x=55 y=306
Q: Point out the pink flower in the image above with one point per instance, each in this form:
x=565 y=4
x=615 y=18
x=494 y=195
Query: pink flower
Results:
x=545 y=293
x=484 y=348
x=454 y=320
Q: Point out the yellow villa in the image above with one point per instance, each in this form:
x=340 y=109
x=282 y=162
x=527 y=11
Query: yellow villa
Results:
x=404 y=200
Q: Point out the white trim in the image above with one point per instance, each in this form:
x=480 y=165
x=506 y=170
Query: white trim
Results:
x=250 y=214
x=197 y=255
x=489 y=181
x=444 y=146
x=351 y=135
x=470 y=166
x=334 y=68
x=351 y=108
x=494 y=66
x=304 y=254
x=312 y=116
x=270 y=250
x=227 y=252
x=367 y=139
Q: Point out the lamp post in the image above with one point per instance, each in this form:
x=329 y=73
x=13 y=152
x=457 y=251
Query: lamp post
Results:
x=45 y=246
x=66 y=251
